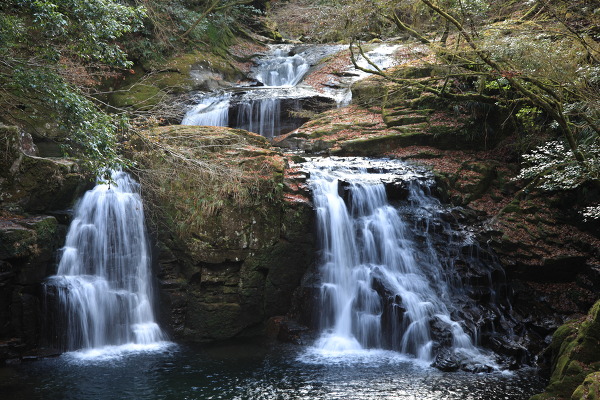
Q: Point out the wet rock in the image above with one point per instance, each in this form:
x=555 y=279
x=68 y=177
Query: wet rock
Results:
x=447 y=361
x=441 y=332
x=507 y=347
x=476 y=368
x=231 y=264
x=286 y=330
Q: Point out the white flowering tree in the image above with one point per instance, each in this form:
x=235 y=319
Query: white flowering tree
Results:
x=549 y=64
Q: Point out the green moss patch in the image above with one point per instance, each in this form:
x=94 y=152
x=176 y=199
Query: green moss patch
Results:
x=576 y=359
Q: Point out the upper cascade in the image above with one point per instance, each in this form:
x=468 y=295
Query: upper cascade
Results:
x=281 y=69
x=102 y=292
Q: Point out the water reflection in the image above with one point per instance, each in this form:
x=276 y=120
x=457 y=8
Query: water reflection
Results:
x=254 y=371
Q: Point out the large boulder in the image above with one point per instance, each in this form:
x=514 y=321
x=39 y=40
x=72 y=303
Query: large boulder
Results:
x=36 y=184
x=575 y=352
x=232 y=249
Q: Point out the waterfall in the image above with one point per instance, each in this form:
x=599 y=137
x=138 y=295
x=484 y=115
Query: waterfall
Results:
x=258 y=109
x=281 y=69
x=210 y=111
x=102 y=291
x=383 y=285
x=260 y=116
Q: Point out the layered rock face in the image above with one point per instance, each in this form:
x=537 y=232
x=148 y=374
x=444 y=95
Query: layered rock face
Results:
x=35 y=192
x=233 y=227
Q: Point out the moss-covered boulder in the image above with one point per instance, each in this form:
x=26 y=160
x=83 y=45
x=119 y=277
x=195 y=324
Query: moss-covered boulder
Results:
x=589 y=389
x=232 y=248
x=575 y=359
x=145 y=87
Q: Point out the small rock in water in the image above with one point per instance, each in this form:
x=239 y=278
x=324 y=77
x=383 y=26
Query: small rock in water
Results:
x=446 y=361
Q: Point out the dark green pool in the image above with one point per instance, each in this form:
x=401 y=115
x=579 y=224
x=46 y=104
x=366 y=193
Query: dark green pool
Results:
x=252 y=370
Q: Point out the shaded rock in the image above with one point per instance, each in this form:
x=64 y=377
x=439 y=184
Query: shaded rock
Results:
x=286 y=330
x=234 y=249
x=36 y=184
x=575 y=352
x=501 y=344
x=441 y=332
x=28 y=247
x=589 y=389
x=447 y=361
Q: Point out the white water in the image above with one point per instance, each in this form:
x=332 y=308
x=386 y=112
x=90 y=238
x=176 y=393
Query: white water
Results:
x=281 y=69
x=261 y=115
x=382 y=56
x=260 y=109
x=210 y=111
x=103 y=284
x=379 y=289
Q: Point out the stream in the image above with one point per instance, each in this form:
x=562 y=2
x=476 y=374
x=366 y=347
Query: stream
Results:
x=384 y=286
x=274 y=102
x=247 y=370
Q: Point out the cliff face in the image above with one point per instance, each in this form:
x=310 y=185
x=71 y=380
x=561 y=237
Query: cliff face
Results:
x=233 y=241
x=35 y=193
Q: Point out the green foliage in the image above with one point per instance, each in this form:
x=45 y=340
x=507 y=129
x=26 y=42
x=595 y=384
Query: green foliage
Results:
x=527 y=115
x=498 y=84
x=68 y=28
x=90 y=133
x=166 y=24
x=54 y=51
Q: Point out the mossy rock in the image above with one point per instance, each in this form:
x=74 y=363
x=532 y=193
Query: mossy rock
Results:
x=576 y=356
x=37 y=184
x=376 y=146
x=240 y=249
x=369 y=92
x=138 y=97
x=589 y=389
x=405 y=120
x=30 y=242
x=413 y=72
x=144 y=89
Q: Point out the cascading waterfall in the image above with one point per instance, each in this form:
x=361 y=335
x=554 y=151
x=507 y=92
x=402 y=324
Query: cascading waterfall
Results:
x=281 y=69
x=210 y=111
x=383 y=285
x=260 y=116
x=262 y=113
x=102 y=291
